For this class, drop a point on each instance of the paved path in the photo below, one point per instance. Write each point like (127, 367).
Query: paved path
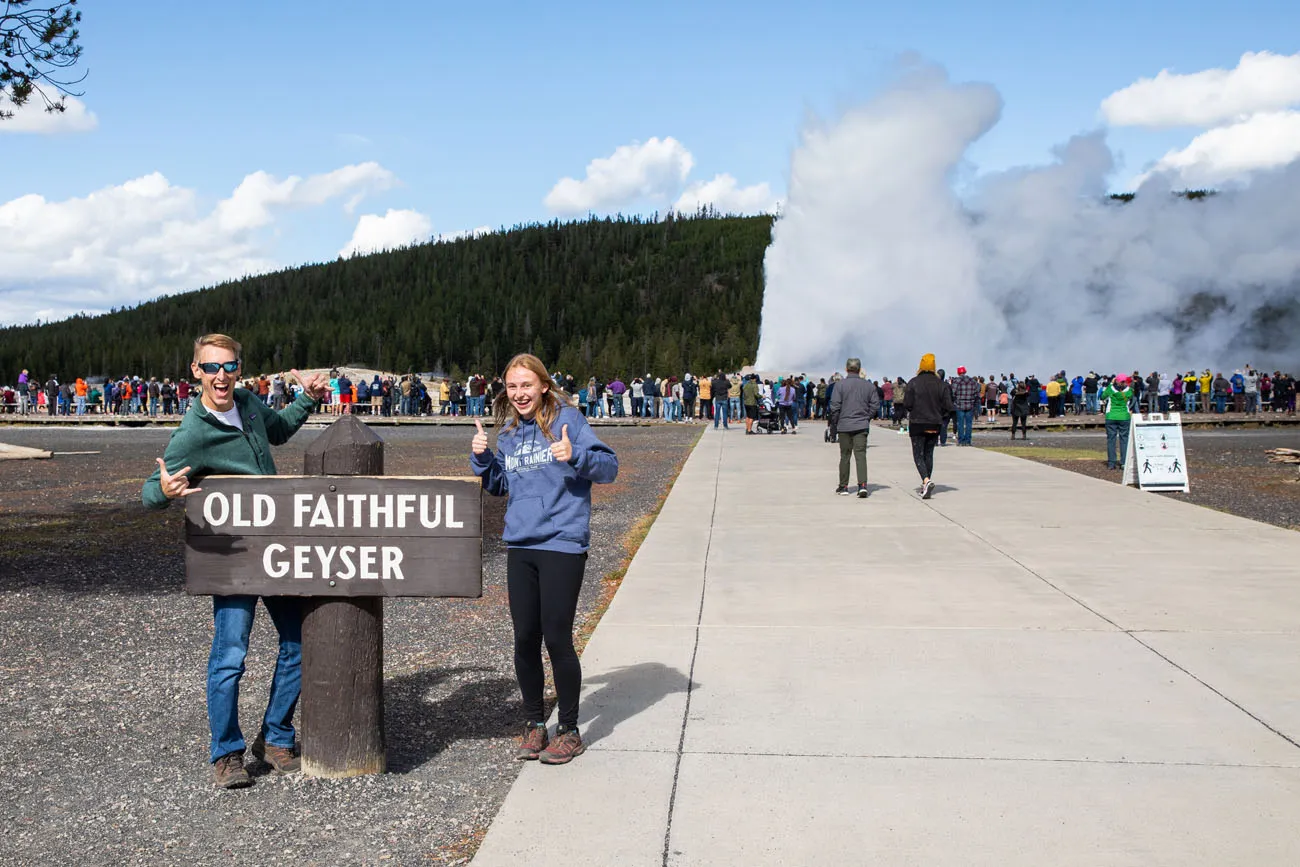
(1032, 668)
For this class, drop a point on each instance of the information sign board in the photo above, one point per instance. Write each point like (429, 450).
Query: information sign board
(1156, 459)
(335, 536)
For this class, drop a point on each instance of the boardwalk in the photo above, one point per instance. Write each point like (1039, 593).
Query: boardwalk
(1032, 668)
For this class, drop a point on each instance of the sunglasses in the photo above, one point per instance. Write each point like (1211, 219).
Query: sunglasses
(214, 366)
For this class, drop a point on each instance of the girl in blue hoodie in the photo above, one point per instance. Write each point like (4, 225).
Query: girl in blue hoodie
(546, 461)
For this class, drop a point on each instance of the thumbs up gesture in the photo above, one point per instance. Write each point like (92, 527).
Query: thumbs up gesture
(177, 485)
(479, 444)
(563, 448)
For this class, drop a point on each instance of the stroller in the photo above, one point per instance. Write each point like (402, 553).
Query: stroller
(768, 420)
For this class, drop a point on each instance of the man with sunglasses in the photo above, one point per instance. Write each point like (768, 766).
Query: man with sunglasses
(230, 431)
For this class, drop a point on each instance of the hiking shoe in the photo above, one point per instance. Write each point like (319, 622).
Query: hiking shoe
(566, 747)
(533, 742)
(863, 493)
(926, 490)
(842, 490)
(283, 759)
(228, 772)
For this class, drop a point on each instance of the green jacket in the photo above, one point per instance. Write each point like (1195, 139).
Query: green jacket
(1117, 409)
(210, 447)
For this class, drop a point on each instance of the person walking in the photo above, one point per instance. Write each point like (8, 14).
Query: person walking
(230, 431)
(927, 399)
(1117, 395)
(854, 403)
(546, 461)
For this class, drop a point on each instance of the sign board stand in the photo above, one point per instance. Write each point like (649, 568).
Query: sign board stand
(343, 538)
(1156, 459)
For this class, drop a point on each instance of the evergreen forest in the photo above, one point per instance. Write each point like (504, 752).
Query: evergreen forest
(607, 296)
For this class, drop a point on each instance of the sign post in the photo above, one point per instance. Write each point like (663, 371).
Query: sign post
(1156, 458)
(344, 537)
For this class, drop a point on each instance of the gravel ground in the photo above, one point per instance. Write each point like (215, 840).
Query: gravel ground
(1229, 469)
(102, 676)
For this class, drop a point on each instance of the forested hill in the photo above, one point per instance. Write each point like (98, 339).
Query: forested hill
(600, 296)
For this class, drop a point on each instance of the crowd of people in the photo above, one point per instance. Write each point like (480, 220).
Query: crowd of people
(683, 399)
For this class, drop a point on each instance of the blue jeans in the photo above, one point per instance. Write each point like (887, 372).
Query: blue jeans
(965, 421)
(735, 408)
(1116, 434)
(1220, 403)
(721, 412)
(1091, 401)
(232, 618)
(1189, 401)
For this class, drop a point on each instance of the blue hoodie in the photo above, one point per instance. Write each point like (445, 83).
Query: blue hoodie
(550, 502)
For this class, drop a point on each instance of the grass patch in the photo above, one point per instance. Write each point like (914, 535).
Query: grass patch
(1048, 453)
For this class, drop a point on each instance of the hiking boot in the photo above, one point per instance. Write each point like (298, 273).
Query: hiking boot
(566, 747)
(863, 493)
(842, 490)
(533, 742)
(283, 759)
(228, 772)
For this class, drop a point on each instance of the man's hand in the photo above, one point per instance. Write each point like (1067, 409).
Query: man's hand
(562, 450)
(479, 444)
(177, 485)
(317, 385)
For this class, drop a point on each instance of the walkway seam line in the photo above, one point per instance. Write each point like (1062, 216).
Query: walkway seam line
(695, 649)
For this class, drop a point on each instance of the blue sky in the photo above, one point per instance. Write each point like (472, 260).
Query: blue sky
(474, 111)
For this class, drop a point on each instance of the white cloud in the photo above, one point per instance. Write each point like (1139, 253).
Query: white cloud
(393, 229)
(147, 237)
(1262, 141)
(32, 117)
(1261, 82)
(723, 194)
(654, 170)
(249, 205)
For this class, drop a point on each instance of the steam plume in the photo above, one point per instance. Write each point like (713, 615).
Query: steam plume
(1032, 270)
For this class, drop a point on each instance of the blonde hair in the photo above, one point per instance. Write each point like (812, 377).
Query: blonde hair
(220, 340)
(504, 412)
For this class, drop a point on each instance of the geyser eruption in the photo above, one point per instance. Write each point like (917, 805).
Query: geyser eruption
(1033, 270)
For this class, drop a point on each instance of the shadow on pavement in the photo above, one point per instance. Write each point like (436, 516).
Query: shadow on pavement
(626, 692)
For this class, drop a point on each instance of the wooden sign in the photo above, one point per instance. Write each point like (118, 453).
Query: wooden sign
(335, 536)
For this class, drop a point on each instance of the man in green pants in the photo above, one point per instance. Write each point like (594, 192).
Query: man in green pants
(854, 403)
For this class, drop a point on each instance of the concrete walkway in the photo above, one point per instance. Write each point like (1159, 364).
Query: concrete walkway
(1032, 668)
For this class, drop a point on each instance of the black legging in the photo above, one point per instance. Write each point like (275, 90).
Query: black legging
(924, 439)
(543, 588)
(1023, 420)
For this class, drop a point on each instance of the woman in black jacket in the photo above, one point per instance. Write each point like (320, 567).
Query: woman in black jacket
(1020, 410)
(927, 400)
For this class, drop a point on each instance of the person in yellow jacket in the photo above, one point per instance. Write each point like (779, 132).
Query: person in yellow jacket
(1053, 398)
(1191, 386)
(1207, 381)
(706, 397)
